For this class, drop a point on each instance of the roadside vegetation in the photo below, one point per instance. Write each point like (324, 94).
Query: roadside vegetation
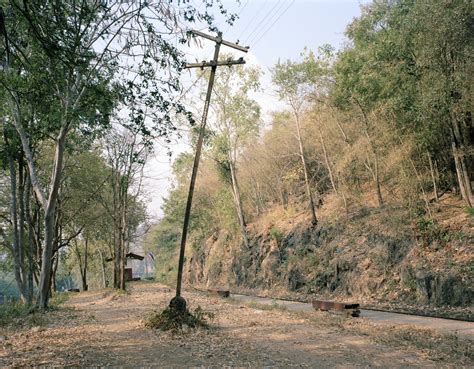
(364, 175)
(78, 125)
(364, 179)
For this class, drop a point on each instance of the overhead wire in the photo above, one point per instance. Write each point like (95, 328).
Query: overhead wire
(276, 20)
(237, 16)
(269, 23)
(257, 13)
(263, 21)
(189, 89)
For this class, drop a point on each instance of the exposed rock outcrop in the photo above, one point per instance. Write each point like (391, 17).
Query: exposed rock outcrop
(362, 257)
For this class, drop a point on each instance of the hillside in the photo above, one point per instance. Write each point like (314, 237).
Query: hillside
(369, 255)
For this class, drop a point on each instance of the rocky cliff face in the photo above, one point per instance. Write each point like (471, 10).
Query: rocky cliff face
(372, 255)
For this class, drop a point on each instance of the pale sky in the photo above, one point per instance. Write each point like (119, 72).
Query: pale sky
(274, 29)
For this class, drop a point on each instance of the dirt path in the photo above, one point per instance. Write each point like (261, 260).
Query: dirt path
(103, 328)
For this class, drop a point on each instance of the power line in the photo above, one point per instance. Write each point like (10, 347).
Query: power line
(276, 20)
(263, 21)
(253, 18)
(269, 21)
(189, 89)
(238, 15)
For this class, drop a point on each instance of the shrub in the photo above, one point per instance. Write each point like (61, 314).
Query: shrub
(275, 234)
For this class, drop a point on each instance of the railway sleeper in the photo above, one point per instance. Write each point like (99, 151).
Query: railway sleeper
(219, 292)
(337, 307)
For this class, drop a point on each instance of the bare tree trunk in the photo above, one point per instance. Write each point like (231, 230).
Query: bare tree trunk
(433, 177)
(314, 220)
(49, 222)
(82, 264)
(420, 182)
(377, 180)
(338, 192)
(326, 160)
(117, 226)
(256, 202)
(38, 240)
(459, 153)
(238, 202)
(17, 265)
(260, 202)
(117, 253)
(462, 175)
(256, 192)
(21, 220)
(124, 234)
(30, 241)
(102, 263)
(375, 154)
(85, 286)
(339, 125)
(123, 238)
(46, 261)
(54, 271)
(120, 219)
(122, 263)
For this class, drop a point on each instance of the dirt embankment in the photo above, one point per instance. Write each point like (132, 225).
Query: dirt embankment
(372, 255)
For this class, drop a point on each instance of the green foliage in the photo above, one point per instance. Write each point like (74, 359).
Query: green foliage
(276, 234)
(397, 67)
(58, 299)
(429, 231)
(69, 83)
(13, 313)
(163, 240)
(469, 211)
(454, 236)
(16, 313)
(410, 283)
(307, 79)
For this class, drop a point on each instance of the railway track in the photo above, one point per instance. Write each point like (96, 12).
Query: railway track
(361, 307)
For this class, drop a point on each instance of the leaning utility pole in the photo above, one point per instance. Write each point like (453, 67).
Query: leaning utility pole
(178, 301)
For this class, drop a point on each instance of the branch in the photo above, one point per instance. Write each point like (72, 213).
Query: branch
(66, 241)
(5, 243)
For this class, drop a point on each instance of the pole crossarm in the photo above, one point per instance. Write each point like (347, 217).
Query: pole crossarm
(219, 40)
(212, 63)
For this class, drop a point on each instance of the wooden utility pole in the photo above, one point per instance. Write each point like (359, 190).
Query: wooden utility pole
(214, 63)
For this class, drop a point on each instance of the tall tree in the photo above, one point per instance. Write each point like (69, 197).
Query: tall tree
(295, 86)
(412, 63)
(72, 72)
(237, 121)
(126, 157)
